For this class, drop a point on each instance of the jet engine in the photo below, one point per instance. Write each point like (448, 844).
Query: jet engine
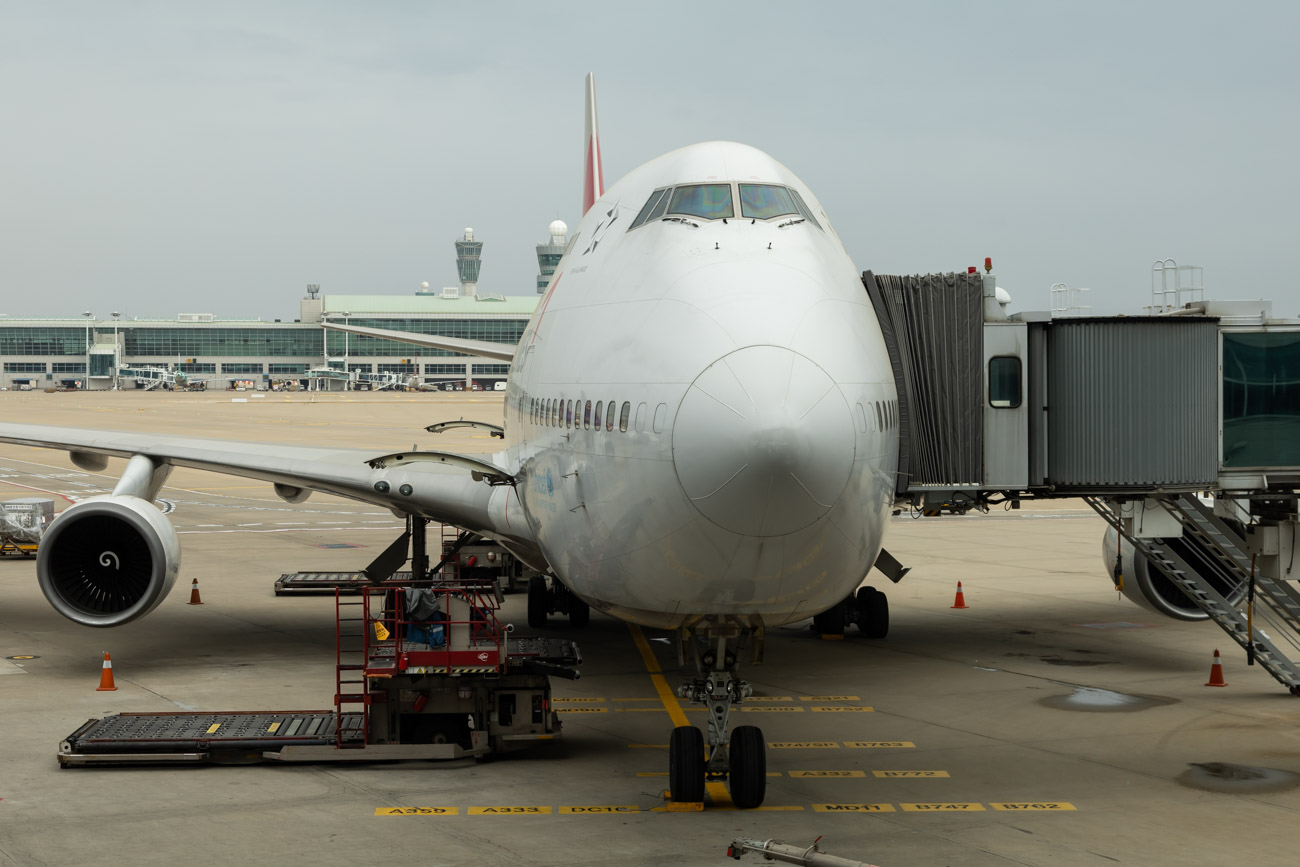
(108, 560)
(1146, 585)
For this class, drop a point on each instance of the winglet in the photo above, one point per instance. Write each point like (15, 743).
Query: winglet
(593, 177)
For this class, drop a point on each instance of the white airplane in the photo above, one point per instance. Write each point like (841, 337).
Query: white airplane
(699, 435)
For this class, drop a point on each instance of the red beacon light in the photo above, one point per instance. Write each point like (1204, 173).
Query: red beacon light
(971, 270)
(988, 264)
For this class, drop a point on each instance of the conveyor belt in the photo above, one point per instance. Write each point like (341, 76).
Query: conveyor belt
(201, 736)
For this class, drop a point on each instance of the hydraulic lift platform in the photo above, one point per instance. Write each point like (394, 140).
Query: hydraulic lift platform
(323, 583)
(422, 673)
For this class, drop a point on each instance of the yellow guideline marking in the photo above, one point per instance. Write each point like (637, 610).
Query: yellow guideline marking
(887, 774)
(212, 729)
(875, 744)
(635, 699)
(803, 745)
(509, 811)
(769, 698)
(838, 708)
(605, 808)
(853, 808)
(942, 808)
(647, 746)
(568, 700)
(829, 698)
(273, 728)
(582, 710)
(827, 773)
(417, 811)
(652, 773)
(717, 791)
(790, 709)
(1029, 805)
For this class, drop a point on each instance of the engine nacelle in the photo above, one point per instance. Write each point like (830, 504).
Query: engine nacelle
(1145, 585)
(108, 560)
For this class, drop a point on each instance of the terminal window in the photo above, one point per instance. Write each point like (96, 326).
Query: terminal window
(24, 367)
(1261, 399)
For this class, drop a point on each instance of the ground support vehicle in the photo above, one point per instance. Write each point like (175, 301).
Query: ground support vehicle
(422, 672)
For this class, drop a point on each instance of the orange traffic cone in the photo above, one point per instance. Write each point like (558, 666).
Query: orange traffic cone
(106, 676)
(194, 593)
(960, 601)
(1216, 672)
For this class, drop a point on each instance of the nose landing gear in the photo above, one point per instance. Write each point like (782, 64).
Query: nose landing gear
(741, 760)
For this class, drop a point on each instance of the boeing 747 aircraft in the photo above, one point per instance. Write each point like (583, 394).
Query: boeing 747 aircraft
(698, 437)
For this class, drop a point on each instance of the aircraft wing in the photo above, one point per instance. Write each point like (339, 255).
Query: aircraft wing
(485, 348)
(444, 487)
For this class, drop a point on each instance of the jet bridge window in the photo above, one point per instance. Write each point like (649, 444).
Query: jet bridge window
(706, 201)
(1004, 382)
(764, 201)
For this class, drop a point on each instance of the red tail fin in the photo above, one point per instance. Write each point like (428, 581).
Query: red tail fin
(593, 177)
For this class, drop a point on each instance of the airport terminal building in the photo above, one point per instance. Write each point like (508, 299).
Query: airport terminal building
(97, 353)
(103, 352)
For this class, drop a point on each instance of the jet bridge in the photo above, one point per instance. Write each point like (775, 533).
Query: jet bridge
(1180, 427)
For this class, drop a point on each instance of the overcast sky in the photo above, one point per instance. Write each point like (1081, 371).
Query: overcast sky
(173, 157)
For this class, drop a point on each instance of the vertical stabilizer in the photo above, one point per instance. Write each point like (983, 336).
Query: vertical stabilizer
(593, 176)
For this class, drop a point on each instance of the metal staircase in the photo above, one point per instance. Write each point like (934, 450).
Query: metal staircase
(1211, 566)
(352, 644)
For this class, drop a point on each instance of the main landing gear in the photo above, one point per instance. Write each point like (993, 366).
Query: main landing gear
(868, 608)
(740, 760)
(544, 600)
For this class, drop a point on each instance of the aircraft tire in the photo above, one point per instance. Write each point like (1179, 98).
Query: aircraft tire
(537, 602)
(747, 780)
(830, 621)
(873, 612)
(686, 765)
(579, 612)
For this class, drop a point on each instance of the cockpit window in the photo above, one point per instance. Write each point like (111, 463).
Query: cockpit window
(804, 210)
(762, 201)
(656, 202)
(707, 201)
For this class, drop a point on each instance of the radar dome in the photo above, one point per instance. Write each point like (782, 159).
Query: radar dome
(424, 285)
(559, 228)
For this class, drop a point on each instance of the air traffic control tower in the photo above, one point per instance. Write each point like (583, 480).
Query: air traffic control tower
(550, 253)
(468, 262)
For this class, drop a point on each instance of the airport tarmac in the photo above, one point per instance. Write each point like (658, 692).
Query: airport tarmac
(1050, 722)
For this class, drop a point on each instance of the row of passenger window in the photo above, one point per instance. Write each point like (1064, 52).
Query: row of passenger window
(714, 202)
(886, 416)
(579, 414)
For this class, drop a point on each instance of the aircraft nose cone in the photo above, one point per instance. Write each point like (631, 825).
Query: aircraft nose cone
(763, 442)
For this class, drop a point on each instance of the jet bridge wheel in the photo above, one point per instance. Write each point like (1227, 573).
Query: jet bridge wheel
(686, 765)
(538, 602)
(873, 612)
(747, 754)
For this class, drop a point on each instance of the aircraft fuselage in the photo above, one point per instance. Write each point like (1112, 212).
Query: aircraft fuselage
(747, 464)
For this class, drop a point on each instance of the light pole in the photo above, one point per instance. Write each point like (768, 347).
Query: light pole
(347, 360)
(85, 376)
(117, 357)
